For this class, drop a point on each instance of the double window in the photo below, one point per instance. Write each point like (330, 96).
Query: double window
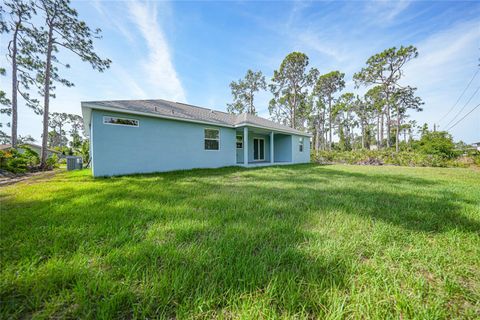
(121, 121)
(300, 144)
(212, 139)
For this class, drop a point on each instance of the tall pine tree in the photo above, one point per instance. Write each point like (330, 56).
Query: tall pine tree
(63, 30)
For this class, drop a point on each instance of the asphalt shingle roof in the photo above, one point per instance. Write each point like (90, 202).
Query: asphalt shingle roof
(182, 111)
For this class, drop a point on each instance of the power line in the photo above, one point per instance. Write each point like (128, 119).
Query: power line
(464, 90)
(478, 105)
(459, 112)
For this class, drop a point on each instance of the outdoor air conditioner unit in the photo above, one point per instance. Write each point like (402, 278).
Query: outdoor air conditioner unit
(74, 163)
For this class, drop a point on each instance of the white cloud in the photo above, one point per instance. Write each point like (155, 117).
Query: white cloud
(323, 46)
(446, 63)
(445, 54)
(386, 11)
(134, 89)
(159, 66)
(110, 19)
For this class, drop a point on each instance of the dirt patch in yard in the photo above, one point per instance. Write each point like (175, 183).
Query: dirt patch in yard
(33, 177)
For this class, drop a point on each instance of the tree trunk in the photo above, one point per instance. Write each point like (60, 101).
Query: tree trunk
(378, 132)
(325, 141)
(330, 123)
(397, 133)
(292, 112)
(14, 90)
(388, 127)
(388, 116)
(363, 136)
(293, 118)
(318, 129)
(324, 132)
(60, 136)
(46, 98)
(252, 109)
(382, 129)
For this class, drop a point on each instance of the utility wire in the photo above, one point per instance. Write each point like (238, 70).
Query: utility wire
(478, 105)
(459, 112)
(464, 90)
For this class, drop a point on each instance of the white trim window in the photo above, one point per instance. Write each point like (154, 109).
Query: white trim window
(212, 139)
(239, 142)
(300, 144)
(120, 121)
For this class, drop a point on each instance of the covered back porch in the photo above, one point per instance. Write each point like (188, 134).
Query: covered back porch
(261, 147)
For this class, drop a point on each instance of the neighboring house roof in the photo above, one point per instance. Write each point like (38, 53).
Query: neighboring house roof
(184, 112)
(8, 146)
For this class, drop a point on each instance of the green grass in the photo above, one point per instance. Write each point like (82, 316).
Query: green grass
(300, 241)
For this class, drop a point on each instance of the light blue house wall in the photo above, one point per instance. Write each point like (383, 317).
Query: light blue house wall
(240, 155)
(159, 144)
(282, 151)
(155, 145)
(300, 157)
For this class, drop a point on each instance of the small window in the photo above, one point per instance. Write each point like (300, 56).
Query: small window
(300, 144)
(239, 142)
(120, 121)
(212, 139)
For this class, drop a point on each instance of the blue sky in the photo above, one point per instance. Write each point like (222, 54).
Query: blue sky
(191, 51)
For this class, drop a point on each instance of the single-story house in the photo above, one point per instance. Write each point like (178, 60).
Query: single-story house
(140, 136)
(34, 147)
(476, 145)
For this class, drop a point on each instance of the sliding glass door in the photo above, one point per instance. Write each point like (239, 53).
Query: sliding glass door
(258, 149)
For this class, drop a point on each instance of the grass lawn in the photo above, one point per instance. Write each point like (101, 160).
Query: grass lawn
(301, 241)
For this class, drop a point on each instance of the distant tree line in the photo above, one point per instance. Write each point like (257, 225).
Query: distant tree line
(307, 100)
(38, 31)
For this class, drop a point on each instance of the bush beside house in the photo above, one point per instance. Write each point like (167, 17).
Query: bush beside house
(402, 158)
(24, 159)
(433, 149)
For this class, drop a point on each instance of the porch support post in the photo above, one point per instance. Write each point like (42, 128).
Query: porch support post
(245, 146)
(271, 148)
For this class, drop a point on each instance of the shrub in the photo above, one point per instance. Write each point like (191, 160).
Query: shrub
(388, 157)
(24, 159)
(52, 161)
(30, 155)
(85, 151)
(13, 161)
(438, 143)
(476, 159)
